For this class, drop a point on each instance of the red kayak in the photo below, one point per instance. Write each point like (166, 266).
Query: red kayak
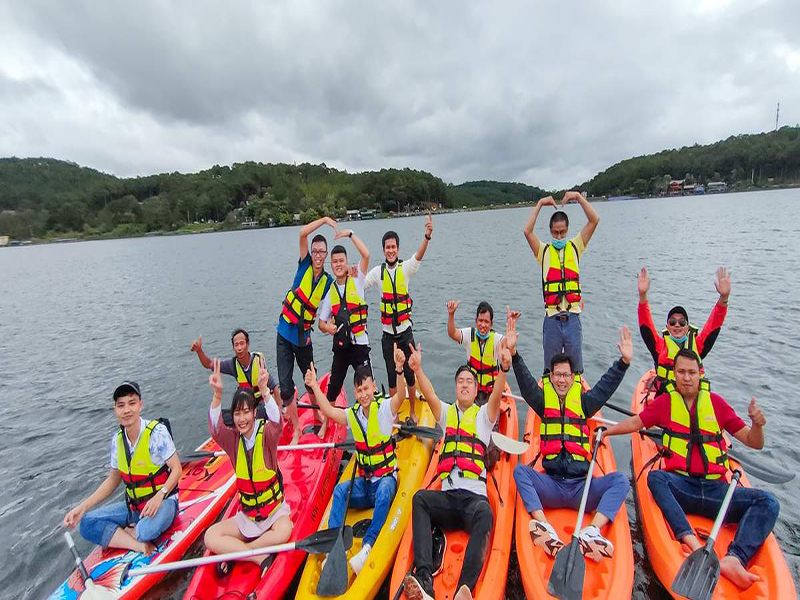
(308, 479)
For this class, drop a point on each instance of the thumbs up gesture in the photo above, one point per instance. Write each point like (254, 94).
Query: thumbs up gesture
(756, 414)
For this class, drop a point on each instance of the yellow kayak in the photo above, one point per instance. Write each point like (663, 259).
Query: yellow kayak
(413, 456)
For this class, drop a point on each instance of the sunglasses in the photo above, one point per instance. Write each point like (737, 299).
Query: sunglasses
(679, 322)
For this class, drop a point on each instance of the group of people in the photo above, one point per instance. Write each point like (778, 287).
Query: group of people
(144, 458)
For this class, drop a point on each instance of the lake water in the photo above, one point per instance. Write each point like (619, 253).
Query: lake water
(79, 318)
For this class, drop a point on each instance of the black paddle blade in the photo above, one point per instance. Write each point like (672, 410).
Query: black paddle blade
(569, 569)
(323, 541)
(333, 579)
(698, 575)
(431, 433)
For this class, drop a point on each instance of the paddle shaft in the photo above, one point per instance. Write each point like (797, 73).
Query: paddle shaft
(585, 495)
(78, 562)
(723, 510)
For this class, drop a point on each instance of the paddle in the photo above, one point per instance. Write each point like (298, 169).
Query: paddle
(750, 466)
(317, 543)
(699, 573)
(92, 591)
(333, 579)
(512, 446)
(566, 578)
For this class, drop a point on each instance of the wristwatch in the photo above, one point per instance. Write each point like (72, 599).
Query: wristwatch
(164, 491)
(427, 237)
(350, 235)
(400, 372)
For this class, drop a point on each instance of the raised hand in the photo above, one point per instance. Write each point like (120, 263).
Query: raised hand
(399, 358)
(215, 379)
(429, 225)
(547, 201)
(643, 282)
(625, 345)
(352, 270)
(452, 306)
(569, 197)
(512, 316)
(415, 358)
(263, 374)
(756, 415)
(340, 233)
(510, 338)
(311, 376)
(197, 345)
(723, 283)
(505, 358)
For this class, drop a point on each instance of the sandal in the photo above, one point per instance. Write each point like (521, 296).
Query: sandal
(266, 564)
(224, 569)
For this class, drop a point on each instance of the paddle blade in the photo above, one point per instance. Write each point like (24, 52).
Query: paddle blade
(430, 433)
(97, 592)
(569, 569)
(698, 575)
(323, 541)
(509, 445)
(333, 579)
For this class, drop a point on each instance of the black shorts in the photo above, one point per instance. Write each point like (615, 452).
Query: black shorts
(387, 345)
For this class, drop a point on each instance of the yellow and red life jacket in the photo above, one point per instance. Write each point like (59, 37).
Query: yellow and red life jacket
(462, 449)
(666, 358)
(375, 451)
(567, 428)
(260, 488)
(301, 303)
(142, 478)
(395, 302)
(700, 430)
(482, 361)
(561, 278)
(241, 376)
(355, 305)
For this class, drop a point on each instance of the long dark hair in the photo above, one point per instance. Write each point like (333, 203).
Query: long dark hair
(243, 397)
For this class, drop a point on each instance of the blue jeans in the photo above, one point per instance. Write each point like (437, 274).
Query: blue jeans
(366, 494)
(100, 524)
(539, 490)
(754, 510)
(563, 336)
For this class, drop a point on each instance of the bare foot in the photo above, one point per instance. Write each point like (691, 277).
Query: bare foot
(147, 548)
(296, 437)
(323, 430)
(732, 569)
(463, 594)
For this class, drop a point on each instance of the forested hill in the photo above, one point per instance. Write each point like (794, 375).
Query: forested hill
(474, 193)
(762, 159)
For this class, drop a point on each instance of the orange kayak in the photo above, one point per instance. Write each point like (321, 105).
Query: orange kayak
(666, 554)
(492, 581)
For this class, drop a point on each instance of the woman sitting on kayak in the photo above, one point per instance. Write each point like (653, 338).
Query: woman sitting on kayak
(252, 446)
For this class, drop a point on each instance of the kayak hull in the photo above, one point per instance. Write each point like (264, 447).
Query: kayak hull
(413, 457)
(491, 584)
(666, 554)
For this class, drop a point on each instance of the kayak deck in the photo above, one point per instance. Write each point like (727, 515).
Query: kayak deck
(413, 456)
(666, 554)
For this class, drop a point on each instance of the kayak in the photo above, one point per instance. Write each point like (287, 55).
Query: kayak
(413, 456)
(666, 554)
(205, 487)
(308, 480)
(492, 581)
(611, 578)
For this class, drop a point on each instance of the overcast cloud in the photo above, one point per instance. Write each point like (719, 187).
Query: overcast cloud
(544, 92)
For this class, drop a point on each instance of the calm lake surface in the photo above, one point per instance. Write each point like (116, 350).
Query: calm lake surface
(79, 318)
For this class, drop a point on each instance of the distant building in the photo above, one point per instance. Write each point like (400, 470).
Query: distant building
(676, 187)
(250, 222)
(368, 213)
(296, 217)
(716, 186)
(353, 215)
(3, 240)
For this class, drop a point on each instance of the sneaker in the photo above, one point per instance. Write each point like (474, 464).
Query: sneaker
(414, 589)
(439, 547)
(544, 536)
(594, 545)
(359, 559)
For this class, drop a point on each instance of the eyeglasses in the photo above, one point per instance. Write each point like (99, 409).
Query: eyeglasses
(561, 375)
(319, 252)
(679, 322)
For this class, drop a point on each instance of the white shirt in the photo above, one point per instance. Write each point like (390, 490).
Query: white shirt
(386, 421)
(483, 427)
(466, 342)
(409, 267)
(326, 312)
(273, 414)
(161, 445)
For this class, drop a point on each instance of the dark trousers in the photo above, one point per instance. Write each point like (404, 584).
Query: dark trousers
(355, 355)
(454, 510)
(286, 353)
(403, 342)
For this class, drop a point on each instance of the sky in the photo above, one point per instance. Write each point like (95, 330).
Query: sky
(547, 93)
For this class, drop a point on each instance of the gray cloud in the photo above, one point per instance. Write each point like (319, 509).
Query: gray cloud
(544, 93)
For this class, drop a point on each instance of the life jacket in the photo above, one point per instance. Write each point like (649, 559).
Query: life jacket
(241, 376)
(561, 279)
(301, 303)
(395, 302)
(375, 452)
(482, 361)
(355, 305)
(462, 449)
(701, 429)
(666, 359)
(142, 478)
(566, 429)
(260, 488)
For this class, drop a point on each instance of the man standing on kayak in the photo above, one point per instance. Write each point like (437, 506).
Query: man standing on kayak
(299, 310)
(394, 275)
(252, 447)
(565, 448)
(370, 421)
(242, 365)
(692, 478)
(559, 261)
(679, 333)
(143, 457)
(343, 314)
(462, 503)
(482, 343)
